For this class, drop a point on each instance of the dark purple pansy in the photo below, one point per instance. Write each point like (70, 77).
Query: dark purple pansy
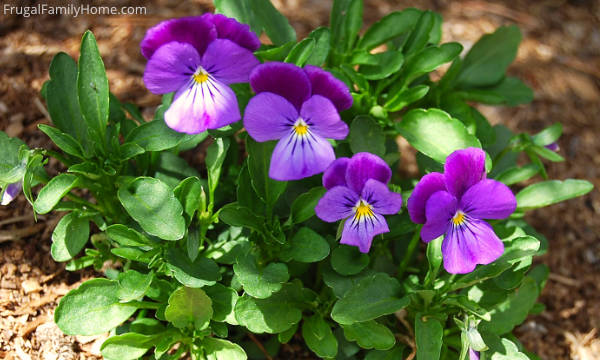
(11, 192)
(455, 204)
(197, 57)
(357, 191)
(300, 108)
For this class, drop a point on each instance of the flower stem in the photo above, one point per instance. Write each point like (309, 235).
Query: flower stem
(412, 245)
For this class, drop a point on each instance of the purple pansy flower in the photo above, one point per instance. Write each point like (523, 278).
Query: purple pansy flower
(357, 191)
(197, 57)
(473, 355)
(300, 108)
(455, 203)
(11, 192)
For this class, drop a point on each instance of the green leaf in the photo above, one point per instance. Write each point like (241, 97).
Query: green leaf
(201, 272)
(434, 259)
(551, 192)
(61, 98)
(510, 91)
(517, 174)
(157, 136)
(514, 310)
(388, 63)
(128, 346)
(274, 53)
(548, 135)
(307, 246)
(223, 302)
(419, 37)
(434, 133)
(547, 153)
(260, 282)
(370, 335)
(322, 38)
(393, 354)
(241, 11)
(189, 306)
(13, 159)
(153, 205)
(486, 63)
(93, 308)
(189, 193)
(372, 297)
(126, 236)
(130, 150)
(69, 236)
(133, 285)
(389, 27)
(276, 26)
(259, 159)
(303, 207)
(88, 169)
(341, 284)
(236, 215)
(215, 155)
(366, 136)
(406, 97)
(430, 58)
(63, 140)
(92, 87)
(346, 21)
(220, 349)
(347, 260)
(318, 337)
(501, 348)
(55, 190)
(301, 52)
(272, 315)
(428, 336)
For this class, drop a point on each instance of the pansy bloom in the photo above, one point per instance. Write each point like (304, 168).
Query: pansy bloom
(455, 204)
(357, 191)
(11, 192)
(197, 58)
(300, 108)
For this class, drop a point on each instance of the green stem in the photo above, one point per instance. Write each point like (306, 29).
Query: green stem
(81, 201)
(414, 241)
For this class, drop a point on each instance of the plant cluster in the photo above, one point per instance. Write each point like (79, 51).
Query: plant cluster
(300, 223)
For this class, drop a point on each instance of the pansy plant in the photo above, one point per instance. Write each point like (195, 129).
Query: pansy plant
(197, 258)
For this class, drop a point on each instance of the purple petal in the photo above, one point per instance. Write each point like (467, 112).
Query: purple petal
(428, 185)
(335, 175)
(473, 355)
(297, 157)
(488, 199)
(198, 107)
(228, 28)
(323, 118)
(379, 196)
(269, 117)
(228, 62)
(360, 231)
(336, 204)
(324, 83)
(11, 192)
(193, 30)
(364, 166)
(463, 169)
(287, 80)
(171, 67)
(440, 209)
(470, 244)
(552, 146)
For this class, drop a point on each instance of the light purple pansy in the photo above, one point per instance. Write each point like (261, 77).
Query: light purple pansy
(197, 58)
(357, 191)
(300, 108)
(473, 355)
(11, 192)
(455, 204)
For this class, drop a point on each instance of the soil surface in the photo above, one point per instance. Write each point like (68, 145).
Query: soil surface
(559, 58)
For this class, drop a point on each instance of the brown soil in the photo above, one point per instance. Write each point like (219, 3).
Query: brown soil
(559, 57)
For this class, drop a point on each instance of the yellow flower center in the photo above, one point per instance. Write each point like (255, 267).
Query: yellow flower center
(200, 77)
(363, 209)
(459, 218)
(301, 127)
